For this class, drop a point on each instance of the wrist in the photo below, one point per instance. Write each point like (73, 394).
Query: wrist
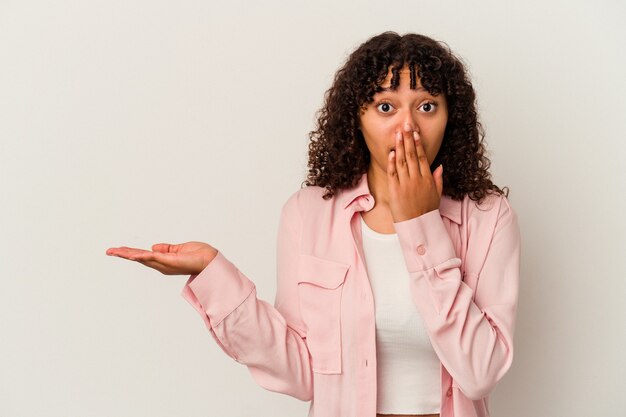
(210, 254)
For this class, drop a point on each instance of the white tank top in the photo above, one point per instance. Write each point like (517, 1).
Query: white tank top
(408, 369)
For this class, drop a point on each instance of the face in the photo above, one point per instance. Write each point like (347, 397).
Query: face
(391, 110)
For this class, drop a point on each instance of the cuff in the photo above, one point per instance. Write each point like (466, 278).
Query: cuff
(425, 241)
(218, 290)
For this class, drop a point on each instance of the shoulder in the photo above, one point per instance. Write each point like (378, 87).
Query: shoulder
(307, 202)
(309, 199)
(492, 212)
(492, 203)
(489, 227)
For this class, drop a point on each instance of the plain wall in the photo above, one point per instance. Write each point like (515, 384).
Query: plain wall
(132, 123)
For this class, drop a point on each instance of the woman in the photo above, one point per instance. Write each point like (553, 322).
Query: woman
(397, 265)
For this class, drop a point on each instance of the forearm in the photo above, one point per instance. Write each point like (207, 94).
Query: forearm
(250, 330)
(471, 329)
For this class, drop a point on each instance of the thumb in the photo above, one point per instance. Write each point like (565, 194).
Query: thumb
(438, 176)
(164, 247)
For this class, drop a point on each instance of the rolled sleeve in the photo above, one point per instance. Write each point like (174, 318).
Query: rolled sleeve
(218, 290)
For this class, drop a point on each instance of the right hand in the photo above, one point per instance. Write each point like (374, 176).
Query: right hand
(184, 259)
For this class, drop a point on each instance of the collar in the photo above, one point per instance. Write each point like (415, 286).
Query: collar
(447, 206)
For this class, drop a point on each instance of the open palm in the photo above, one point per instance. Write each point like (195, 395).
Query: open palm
(182, 259)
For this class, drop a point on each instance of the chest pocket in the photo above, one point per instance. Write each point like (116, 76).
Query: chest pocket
(320, 284)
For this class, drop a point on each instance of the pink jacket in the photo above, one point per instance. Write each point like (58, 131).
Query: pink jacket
(318, 341)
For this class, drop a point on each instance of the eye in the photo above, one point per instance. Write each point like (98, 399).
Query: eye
(384, 107)
(428, 107)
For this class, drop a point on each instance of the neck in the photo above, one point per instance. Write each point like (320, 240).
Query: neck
(377, 182)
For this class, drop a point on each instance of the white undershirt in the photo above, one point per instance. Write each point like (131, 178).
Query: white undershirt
(408, 369)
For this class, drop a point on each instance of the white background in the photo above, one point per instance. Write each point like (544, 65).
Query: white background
(137, 122)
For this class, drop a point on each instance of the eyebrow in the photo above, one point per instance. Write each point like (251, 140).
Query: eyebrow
(414, 89)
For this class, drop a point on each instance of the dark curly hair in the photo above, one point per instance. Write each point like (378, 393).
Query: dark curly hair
(338, 155)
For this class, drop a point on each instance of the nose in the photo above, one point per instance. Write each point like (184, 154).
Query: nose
(409, 122)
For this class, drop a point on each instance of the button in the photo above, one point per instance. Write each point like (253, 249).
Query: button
(421, 249)
(449, 393)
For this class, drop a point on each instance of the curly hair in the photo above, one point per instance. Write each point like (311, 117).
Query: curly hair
(338, 155)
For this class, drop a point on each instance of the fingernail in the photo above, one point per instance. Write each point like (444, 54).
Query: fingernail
(414, 135)
(407, 127)
(398, 136)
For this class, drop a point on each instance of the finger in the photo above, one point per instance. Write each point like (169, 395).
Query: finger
(416, 143)
(410, 151)
(124, 252)
(165, 247)
(163, 258)
(392, 173)
(438, 175)
(400, 157)
(422, 159)
(115, 251)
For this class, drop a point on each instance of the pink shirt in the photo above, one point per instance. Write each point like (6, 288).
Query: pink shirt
(318, 341)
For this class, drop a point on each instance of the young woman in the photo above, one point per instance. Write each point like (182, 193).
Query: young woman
(397, 264)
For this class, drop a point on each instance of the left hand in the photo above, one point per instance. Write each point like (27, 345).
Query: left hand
(413, 190)
(183, 259)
